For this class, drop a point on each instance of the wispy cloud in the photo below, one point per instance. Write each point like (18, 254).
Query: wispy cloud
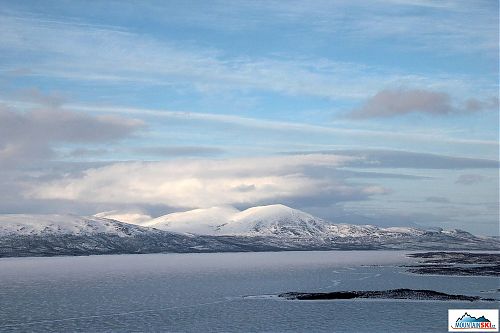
(96, 53)
(443, 26)
(372, 158)
(469, 179)
(178, 151)
(287, 126)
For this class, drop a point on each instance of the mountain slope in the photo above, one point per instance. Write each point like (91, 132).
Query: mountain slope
(198, 221)
(287, 228)
(275, 220)
(220, 229)
(47, 235)
(272, 220)
(22, 224)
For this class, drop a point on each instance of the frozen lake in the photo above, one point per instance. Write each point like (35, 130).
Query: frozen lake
(203, 293)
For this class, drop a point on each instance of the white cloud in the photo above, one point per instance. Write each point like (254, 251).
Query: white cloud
(207, 183)
(134, 217)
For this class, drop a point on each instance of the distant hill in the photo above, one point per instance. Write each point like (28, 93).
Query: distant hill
(218, 229)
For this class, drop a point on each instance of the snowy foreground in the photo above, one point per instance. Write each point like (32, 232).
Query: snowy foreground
(218, 229)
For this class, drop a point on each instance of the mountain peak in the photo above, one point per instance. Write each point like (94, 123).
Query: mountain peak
(268, 220)
(270, 212)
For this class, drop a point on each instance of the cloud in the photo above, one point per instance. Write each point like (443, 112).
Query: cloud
(51, 45)
(441, 26)
(133, 217)
(207, 183)
(469, 179)
(380, 175)
(273, 126)
(397, 102)
(407, 159)
(34, 95)
(437, 199)
(178, 151)
(31, 135)
(387, 103)
(474, 105)
(86, 152)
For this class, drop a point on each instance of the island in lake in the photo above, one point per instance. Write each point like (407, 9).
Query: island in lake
(402, 293)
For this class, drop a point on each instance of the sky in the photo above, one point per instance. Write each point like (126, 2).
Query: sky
(369, 112)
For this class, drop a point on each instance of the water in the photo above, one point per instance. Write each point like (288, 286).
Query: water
(203, 293)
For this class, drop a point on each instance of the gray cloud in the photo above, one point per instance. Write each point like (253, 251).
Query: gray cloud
(87, 152)
(377, 175)
(339, 213)
(407, 159)
(31, 135)
(474, 105)
(34, 95)
(244, 188)
(469, 179)
(176, 151)
(396, 102)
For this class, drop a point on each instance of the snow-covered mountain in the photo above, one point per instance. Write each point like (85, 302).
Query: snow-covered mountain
(217, 229)
(288, 228)
(39, 225)
(272, 220)
(47, 235)
(198, 221)
(128, 217)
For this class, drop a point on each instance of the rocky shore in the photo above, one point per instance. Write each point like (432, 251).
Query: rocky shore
(456, 263)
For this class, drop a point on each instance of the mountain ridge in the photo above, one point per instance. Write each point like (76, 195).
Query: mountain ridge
(269, 220)
(219, 229)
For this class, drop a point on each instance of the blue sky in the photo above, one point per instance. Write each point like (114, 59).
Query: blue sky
(358, 111)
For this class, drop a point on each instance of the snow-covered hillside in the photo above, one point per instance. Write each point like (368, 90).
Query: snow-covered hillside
(272, 220)
(198, 221)
(21, 224)
(218, 229)
(49, 235)
(127, 217)
(263, 221)
(279, 226)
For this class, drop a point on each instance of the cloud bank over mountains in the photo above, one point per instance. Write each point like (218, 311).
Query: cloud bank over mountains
(206, 183)
(315, 178)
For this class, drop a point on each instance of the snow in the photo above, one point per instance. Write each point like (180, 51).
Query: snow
(275, 220)
(279, 226)
(197, 221)
(138, 218)
(271, 220)
(24, 224)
